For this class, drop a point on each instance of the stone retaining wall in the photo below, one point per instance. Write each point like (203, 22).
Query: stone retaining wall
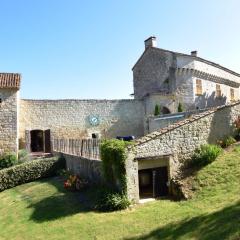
(181, 139)
(89, 169)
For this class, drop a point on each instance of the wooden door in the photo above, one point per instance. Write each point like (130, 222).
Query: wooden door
(28, 140)
(160, 180)
(47, 141)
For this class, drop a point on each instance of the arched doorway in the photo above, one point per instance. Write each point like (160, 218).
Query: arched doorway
(165, 110)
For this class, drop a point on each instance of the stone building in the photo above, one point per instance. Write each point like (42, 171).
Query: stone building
(9, 112)
(168, 78)
(159, 76)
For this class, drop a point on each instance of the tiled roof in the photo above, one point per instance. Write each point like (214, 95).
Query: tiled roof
(173, 126)
(10, 80)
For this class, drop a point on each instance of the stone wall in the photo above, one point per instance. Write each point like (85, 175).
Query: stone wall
(8, 120)
(192, 68)
(70, 118)
(89, 169)
(169, 78)
(167, 100)
(155, 123)
(151, 71)
(181, 139)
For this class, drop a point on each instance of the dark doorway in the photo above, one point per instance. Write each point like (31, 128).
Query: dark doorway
(145, 178)
(37, 141)
(47, 141)
(153, 182)
(160, 180)
(40, 141)
(165, 110)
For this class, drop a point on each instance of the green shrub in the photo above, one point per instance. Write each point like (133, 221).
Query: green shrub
(157, 110)
(205, 155)
(109, 201)
(228, 141)
(29, 171)
(180, 107)
(8, 160)
(23, 156)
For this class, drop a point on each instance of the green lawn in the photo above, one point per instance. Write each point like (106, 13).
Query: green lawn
(44, 210)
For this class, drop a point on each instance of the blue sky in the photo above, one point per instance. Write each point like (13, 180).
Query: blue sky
(86, 49)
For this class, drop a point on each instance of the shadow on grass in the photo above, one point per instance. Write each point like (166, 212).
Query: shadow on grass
(223, 224)
(61, 204)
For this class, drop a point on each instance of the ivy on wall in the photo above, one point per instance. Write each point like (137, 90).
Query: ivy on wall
(113, 156)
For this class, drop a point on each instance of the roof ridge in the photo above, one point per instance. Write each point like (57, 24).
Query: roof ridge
(201, 59)
(173, 126)
(188, 55)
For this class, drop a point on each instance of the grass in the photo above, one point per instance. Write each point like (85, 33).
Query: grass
(44, 210)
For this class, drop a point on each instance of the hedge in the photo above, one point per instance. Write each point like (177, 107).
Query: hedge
(29, 171)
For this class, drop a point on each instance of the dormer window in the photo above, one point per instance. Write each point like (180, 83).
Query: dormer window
(199, 87)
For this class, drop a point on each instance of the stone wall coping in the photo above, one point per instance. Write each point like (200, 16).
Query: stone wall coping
(82, 100)
(76, 156)
(176, 125)
(165, 116)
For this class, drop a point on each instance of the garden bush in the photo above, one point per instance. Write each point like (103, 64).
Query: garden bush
(8, 160)
(29, 171)
(205, 155)
(23, 156)
(228, 141)
(109, 200)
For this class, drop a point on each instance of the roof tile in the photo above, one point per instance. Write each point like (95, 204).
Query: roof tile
(10, 80)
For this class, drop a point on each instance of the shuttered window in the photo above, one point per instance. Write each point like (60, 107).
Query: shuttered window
(218, 90)
(198, 87)
(232, 94)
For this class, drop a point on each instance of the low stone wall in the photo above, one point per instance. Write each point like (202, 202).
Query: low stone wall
(180, 140)
(161, 121)
(89, 169)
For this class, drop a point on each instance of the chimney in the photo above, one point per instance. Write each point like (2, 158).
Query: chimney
(150, 42)
(194, 53)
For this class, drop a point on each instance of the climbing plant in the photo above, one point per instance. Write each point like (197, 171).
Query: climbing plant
(113, 156)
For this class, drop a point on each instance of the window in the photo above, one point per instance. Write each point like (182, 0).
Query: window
(199, 87)
(232, 97)
(218, 90)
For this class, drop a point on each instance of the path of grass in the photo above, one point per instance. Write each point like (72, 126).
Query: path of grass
(43, 210)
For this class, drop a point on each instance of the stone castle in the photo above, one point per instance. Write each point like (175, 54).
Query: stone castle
(160, 77)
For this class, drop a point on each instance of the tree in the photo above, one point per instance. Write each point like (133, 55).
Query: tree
(180, 107)
(157, 110)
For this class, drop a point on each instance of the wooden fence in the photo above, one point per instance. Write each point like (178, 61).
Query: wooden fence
(88, 148)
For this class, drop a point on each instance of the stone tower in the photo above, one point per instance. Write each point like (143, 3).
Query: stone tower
(9, 107)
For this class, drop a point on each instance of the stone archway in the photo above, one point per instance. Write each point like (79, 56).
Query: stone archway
(165, 110)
